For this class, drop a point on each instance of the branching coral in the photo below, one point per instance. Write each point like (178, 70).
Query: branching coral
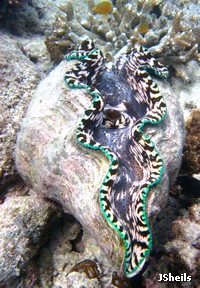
(151, 23)
(111, 31)
(179, 38)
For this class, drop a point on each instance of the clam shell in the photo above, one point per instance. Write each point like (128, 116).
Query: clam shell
(51, 160)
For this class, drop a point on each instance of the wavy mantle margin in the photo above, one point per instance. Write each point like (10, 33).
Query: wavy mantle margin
(85, 74)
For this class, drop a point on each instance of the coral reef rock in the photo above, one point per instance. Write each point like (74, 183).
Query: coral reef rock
(24, 221)
(18, 79)
(51, 160)
(191, 148)
(188, 91)
(27, 16)
(74, 259)
(184, 249)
